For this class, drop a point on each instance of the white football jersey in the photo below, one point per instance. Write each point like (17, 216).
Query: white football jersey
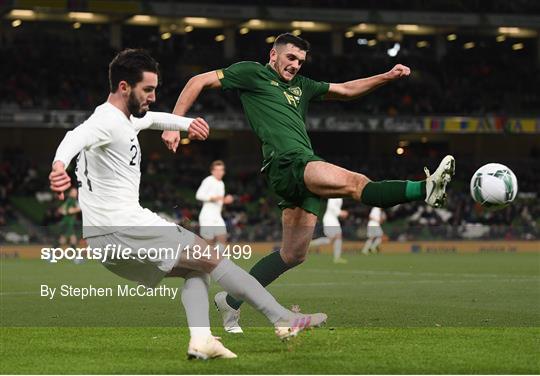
(375, 216)
(108, 169)
(333, 208)
(211, 210)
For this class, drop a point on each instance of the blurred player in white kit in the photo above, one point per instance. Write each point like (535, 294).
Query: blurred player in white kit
(332, 229)
(374, 231)
(212, 193)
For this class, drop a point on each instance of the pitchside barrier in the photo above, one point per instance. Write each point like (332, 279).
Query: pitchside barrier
(33, 251)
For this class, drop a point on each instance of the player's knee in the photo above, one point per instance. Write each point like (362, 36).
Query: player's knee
(293, 258)
(205, 277)
(356, 185)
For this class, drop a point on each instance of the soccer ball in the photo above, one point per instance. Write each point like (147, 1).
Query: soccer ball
(494, 186)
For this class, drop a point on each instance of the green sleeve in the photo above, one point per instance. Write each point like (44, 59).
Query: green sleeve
(239, 75)
(315, 90)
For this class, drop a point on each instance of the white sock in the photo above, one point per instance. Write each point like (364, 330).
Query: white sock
(367, 246)
(337, 248)
(195, 301)
(243, 286)
(319, 241)
(375, 244)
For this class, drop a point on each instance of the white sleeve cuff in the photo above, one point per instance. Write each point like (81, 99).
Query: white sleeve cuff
(162, 121)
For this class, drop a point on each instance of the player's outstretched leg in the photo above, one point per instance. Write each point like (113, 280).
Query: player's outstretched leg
(328, 180)
(240, 284)
(298, 227)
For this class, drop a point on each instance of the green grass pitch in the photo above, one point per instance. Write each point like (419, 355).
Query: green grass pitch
(413, 313)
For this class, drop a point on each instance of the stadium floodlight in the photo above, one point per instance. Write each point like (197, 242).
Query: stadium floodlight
(219, 38)
(407, 27)
(244, 30)
(303, 24)
(22, 13)
(196, 20)
(142, 18)
(451, 37)
(76, 25)
(16, 23)
(166, 36)
(296, 32)
(81, 15)
(255, 22)
(349, 34)
(422, 44)
(517, 46)
(500, 38)
(468, 45)
(188, 29)
(372, 42)
(509, 30)
(392, 52)
(270, 39)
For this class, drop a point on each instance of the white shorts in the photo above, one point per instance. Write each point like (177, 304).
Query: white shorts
(374, 232)
(145, 266)
(331, 231)
(210, 228)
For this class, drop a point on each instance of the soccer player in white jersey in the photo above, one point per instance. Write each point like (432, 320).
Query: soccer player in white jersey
(332, 228)
(212, 193)
(108, 171)
(374, 231)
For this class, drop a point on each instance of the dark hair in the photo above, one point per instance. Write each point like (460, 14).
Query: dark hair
(285, 38)
(129, 66)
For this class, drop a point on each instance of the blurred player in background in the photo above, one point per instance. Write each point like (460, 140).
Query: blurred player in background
(374, 231)
(212, 194)
(332, 229)
(108, 170)
(69, 210)
(275, 100)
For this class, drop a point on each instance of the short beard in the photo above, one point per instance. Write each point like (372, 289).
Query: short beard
(134, 107)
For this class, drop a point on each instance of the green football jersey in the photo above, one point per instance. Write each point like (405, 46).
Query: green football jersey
(275, 109)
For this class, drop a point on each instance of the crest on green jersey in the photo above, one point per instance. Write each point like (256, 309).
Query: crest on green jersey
(296, 91)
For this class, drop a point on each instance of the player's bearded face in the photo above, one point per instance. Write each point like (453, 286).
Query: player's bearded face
(135, 105)
(142, 95)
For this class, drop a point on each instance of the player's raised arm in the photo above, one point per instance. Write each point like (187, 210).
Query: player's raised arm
(187, 97)
(197, 128)
(353, 89)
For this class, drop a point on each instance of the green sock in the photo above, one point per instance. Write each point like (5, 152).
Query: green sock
(387, 193)
(266, 270)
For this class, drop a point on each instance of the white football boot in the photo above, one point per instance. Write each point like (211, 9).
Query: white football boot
(208, 347)
(436, 182)
(229, 315)
(286, 329)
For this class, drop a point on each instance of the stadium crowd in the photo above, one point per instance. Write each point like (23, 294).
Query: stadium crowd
(505, 81)
(168, 187)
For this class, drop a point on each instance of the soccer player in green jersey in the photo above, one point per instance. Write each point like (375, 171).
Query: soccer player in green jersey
(275, 99)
